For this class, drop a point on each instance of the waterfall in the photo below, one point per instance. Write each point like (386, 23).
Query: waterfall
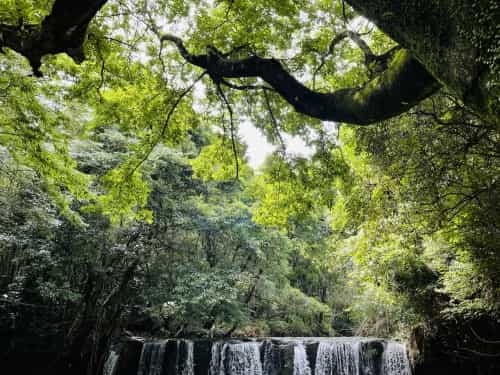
(184, 364)
(151, 361)
(269, 356)
(300, 362)
(244, 359)
(238, 359)
(338, 357)
(110, 364)
(217, 359)
(395, 360)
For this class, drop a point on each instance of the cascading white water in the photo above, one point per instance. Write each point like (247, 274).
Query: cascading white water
(394, 360)
(110, 364)
(273, 356)
(151, 361)
(188, 365)
(300, 362)
(216, 360)
(240, 359)
(338, 357)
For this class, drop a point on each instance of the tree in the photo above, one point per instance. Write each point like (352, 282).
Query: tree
(453, 43)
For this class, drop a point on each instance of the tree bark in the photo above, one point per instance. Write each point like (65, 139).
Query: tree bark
(63, 30)
(404, 84)
(456, 40)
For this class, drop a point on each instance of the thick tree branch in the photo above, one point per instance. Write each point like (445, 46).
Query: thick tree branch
(451, 39)
(63, 30)
(374, 63)
(397, 89)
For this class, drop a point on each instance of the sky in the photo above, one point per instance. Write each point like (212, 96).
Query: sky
(259, 148)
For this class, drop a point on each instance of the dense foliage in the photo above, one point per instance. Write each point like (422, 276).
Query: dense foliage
(127, 201)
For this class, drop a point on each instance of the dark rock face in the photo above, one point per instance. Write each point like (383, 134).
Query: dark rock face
(311, 351)
(277, 357)
(371, 357)
(29, 348)
(202, 356)
(170, 358)
(128, 362)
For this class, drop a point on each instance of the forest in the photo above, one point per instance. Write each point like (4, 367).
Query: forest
(132, 204)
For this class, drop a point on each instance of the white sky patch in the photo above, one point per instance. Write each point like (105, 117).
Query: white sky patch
(259, 148)
(296, 146)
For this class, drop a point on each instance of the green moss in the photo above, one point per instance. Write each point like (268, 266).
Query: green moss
(457, 41)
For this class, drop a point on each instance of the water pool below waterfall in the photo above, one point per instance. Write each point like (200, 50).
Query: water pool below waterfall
(266, 356)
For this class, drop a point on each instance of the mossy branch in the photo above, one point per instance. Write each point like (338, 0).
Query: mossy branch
(401, 86)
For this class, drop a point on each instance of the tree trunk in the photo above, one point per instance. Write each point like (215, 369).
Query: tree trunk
(458, 42)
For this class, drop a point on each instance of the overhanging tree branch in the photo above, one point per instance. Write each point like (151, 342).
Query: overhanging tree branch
(395, 90)
(450, 53)
(404, 84)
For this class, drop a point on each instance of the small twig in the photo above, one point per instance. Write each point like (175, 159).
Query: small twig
(231, 127)
(102, 75)
(362, 45)
(344, 17)
(180, 45)
(160, 51)
(338, 38)
(356, 38)
(129, 45)
(275, 123)
(480, 354)
(226, 19)
(167, 122)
